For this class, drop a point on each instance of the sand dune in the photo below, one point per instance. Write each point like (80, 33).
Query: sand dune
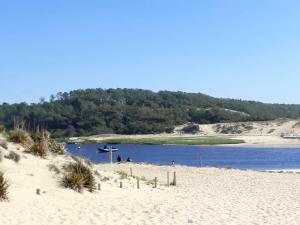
(202, 195)
(254, 134)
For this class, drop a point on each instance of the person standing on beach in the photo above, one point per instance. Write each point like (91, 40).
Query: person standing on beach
(173, 162)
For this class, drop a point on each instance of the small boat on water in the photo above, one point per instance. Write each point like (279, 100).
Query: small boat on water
(108, 149)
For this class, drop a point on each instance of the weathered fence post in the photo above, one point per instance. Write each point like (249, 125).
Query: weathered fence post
(168, 179)
(131, 172)
(138, 183)
(155, 182)
(121, 184)
(99, 187)
(174, 179)
(38, 191)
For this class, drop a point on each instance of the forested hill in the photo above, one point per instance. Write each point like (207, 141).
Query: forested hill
(134, 111)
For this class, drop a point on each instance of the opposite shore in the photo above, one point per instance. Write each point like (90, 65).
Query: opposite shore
(268, 134)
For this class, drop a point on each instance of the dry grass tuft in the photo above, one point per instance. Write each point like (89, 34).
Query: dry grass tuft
(41, 144)
(78, 176)
(21, 136)
(56, 148)
(3, 188)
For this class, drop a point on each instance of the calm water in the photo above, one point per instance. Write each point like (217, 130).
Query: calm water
(243, 158)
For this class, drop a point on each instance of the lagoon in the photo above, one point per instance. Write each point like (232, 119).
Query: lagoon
(236, 157)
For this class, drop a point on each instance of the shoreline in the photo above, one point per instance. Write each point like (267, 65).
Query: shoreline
(182, 166)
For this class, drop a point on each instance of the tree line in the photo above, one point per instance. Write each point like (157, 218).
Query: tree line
(135, 111)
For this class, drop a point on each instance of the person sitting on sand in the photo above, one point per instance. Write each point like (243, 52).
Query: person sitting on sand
(119, 159)
(129, 159)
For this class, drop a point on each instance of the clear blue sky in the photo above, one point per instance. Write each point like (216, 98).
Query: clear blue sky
(246, 49)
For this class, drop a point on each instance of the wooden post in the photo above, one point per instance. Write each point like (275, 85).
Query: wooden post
(38, 191)
(155, 182)
(174, 179)
(138, 183)
(121, 184)
(131, 172)
(99, 187)
(168, 179)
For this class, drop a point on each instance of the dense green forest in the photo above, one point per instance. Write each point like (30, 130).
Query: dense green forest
(135, 111)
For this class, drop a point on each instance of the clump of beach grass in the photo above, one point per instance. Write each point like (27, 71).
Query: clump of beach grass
(78, 176)
(56, 148)
(41, 144)
(1, 156)
(3, 188)
(123, 174)
(22, 137)
(13, 156)
(54, 168)
(3, 144)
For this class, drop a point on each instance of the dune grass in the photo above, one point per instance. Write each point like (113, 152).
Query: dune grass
(41, 144)
(21, 136)
(56, 148)
(78, 176)
(3, 187)
(13, 156)
(4, 144)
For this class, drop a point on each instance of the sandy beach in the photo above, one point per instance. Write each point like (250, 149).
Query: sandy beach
(202, 195)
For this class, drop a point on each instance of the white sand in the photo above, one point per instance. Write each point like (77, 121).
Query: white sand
(203, 196)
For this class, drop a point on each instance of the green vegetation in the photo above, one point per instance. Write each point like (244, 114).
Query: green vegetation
(233, 129)
(132, 111)
(54, 168)
(175, 141)
(3, 187)
(78, 176)
(13, 156)
(123, 174)
(191, 129)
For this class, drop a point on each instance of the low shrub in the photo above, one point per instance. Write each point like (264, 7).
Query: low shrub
(78, 176)
(13, 156)
(191, 129)
(169, 130)
(3, 187)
